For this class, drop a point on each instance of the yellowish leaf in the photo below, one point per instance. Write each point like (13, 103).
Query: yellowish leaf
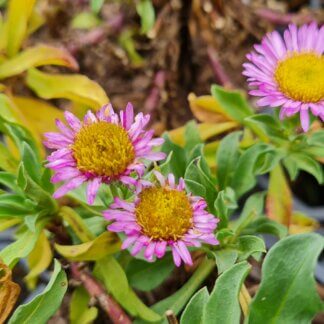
(10, 112)
(6, 223)
(76, 87)
(76, 223)
(38, 260)
(279, 199)
(206, 131)
(207, 109)
(302, 223)
(39, 113)
(80, 312)
(9, 292)
(37, 56)
(15, 29)
(8, 162)
(210, 150)
(36, 20)
(104, 244)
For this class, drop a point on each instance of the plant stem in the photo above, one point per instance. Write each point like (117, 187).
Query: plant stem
(171, 317)
(95, 290)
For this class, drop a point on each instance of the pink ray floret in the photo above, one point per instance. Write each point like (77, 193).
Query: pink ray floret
(123, 216)
(307, 39)
(64, 164)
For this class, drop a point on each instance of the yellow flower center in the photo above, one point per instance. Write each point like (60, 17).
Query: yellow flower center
(103, 149)
(301, 77)
(164, 214)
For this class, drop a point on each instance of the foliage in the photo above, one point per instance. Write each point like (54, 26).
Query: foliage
(220, 159)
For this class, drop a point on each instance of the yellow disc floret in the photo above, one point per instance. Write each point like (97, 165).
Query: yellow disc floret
(103, 149)
(301, 77)
(163, 213)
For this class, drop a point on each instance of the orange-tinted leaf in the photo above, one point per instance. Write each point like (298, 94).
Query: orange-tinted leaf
(9, 292)
(279, 199)
(75, 87)
(37, 56)
(15, 28)
(206, 130)
(207, 109)
(302, 223)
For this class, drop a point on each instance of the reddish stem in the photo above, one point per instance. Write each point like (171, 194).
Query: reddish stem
(95, 290)
(218, 70)
(154, 97)
(278, 18)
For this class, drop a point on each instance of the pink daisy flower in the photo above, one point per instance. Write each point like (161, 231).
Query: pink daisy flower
(289, 72)
(102, 148)
(163, 215)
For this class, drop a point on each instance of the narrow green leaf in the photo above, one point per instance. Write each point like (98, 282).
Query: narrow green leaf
(288, 293)
(193, 312)
(191, 135)
(225, 204)
(43, 306)
(223, 306)
(96, 5)
(80, 312)
(249, 244)
(227, 157)
(116, 283)
(146, 11)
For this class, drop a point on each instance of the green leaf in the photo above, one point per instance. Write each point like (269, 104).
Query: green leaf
(179, 299)
(225, 259)
(146, 11)
(253, 208)
(96, 5)
(195, 188)
(85, 20)
(248, 245)
(178, 160)
(21, 247)
(264, 225)
(31, 162)
(244, 177)
(233, 102)
(196, 174)
(9, 180)
(104, 244)
(193, 312)
(225, 204)
(116, 283)
(80, 312)
(268, 125)
(43, 306)
(316, 138)
(191, 135)
(35, 192)
(14, 205)
(300, 161)
(287, 291)
(227, 157)
(146, 276)
(223, 305)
